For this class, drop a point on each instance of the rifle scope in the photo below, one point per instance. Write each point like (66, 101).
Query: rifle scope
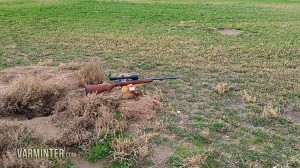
(132, 77)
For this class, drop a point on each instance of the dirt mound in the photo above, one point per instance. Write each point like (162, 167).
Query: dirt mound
(30, 95)
(88, 118)
(136, 109)
(60, 114)
(33, 91)
(141, 110)
(95, 116)
(47, 73)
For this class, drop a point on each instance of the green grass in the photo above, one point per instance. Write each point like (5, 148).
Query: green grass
(100, 151)
(176, 37)
(175, 161)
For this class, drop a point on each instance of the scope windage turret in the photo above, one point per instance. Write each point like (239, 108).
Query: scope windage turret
(132, 77)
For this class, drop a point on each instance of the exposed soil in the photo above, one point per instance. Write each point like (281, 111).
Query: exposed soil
(160, 155)
(47, 73)
(230, 32)
(294, 116)
(82, 163)
(44, 128)
(136, 109)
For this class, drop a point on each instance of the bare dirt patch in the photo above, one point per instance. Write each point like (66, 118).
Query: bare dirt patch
(294, 116)
(230, 32)
(44, 128)
(161, 155)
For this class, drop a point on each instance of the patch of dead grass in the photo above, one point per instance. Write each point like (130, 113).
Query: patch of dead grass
(90, 118)
(82, 119)
(196, 161)
(249, 98)
(281, 6)
(221, 88)
(270, 112)
(30, 95)
(10, 135)
(70, 65)
(133, 150)
(47, 62)
(91, 73)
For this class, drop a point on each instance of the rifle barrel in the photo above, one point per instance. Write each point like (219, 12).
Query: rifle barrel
(171, 77)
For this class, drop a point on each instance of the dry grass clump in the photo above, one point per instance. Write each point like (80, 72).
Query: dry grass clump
(133, 151)
(188, 23)
(47, 62)
(220, 88)
(91, 117)
(96, 117)
(70, 65)
(30, 95)
(195, 161)
(159, 126)
(91, 73)
(270, 112)
(294, 161)
(249, 98)
(11, 135)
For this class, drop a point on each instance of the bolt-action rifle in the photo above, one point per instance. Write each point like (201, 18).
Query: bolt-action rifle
(108, 87)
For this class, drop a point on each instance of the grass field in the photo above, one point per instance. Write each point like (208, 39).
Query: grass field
(177, 37)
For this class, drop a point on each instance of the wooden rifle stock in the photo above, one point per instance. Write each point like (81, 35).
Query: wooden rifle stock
(108, 87)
